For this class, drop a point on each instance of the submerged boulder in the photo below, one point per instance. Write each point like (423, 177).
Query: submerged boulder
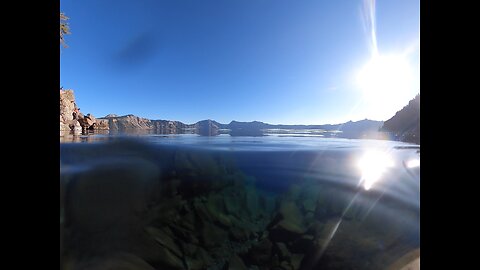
(124, 261)
(236, 263)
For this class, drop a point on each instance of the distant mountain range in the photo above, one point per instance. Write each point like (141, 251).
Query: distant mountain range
(405, 124)
(359, 129)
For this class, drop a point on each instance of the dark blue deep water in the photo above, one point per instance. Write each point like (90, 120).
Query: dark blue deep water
(273, 202)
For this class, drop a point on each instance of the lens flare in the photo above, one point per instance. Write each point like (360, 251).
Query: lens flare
(373, 165)
(413, 163)
(387, 79)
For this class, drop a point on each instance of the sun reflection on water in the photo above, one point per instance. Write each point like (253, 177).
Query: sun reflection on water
(373, 165)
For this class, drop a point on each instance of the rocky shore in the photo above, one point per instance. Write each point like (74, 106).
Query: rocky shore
(71, 119)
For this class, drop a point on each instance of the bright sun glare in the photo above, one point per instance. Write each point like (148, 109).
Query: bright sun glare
(384, 78)
(373, 164)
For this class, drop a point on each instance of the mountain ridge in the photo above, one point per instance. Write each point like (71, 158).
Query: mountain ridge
(405, 124)
(350, 129)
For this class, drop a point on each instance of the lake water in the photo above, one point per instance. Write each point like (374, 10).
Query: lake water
(273, 202)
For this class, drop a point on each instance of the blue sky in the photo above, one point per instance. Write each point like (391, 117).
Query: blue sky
(276, 61)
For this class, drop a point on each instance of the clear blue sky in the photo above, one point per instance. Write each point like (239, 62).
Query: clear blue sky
(276, 61)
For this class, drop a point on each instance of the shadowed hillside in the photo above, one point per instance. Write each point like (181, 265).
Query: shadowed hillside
(405, 125)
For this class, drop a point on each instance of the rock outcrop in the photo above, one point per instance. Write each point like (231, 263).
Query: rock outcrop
(102, 124)
(128, 122)
(169, 127)
(72, 119)
(207, 127)
(67, 106)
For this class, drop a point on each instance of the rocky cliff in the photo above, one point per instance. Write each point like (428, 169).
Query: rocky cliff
(128, 122)
(67, 106)
(131, 122)
(72, 119)
(207, 127)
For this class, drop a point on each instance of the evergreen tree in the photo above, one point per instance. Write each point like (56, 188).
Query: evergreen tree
(64, 29)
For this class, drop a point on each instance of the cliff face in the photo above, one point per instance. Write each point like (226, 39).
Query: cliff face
(207, 127)
(131, 122)
(128, 122)
(80, 122)
(67, 105)
(169, 127)
(405, 124)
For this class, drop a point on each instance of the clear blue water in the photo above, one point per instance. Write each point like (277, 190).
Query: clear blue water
(273, 202)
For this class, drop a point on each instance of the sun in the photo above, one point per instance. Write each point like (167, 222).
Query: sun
(384, 79)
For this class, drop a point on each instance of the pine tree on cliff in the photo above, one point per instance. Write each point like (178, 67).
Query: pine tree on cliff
(64, 29)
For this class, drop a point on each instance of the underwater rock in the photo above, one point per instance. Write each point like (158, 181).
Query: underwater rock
(215, 203)
(198, 258)
(282, 251)
(167, 210)
(286, 231)
(302, 244)
(223, 220)
(188, 221)
(410, 260)
(291, 212)
(309, 219)
(329, 227)
(289, 223)
(200, 174)
(194, 264)
(321, 208)
(106, 206)
(260, 254)
(110, 194)
(315, 229)
(165, 240)
(183, 234)
(216, 210)
(189, 249)
(201, 211)
(236, 263)
(239, 234)
(212, 235)
(165, 258)
(293, 192)
(309, 205)
(284, 265)
(232, 204)
(122, 261)
(252, 199)
(297, 260)
(337, 201)
(353, 244)
(267, 203)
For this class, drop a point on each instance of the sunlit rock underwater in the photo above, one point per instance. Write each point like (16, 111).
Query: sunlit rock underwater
(193, 202)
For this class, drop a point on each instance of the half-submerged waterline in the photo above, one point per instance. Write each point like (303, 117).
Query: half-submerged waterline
(236, 203)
